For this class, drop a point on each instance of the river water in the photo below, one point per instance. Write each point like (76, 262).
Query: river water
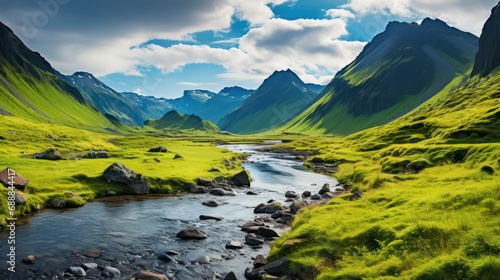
(131, 231)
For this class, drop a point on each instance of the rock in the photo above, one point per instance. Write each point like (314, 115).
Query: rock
(20, 182)
(204, 182)
(77, 271)
(488, 169)
(172, 253)
(164, 257)
(290, 194)
(148, 275)
(50, 136)
(98, 154)
(156, 159)
(206, 217)
(230, 276)
(109, 271)
(269, 208)
(252, 239)
(251, 193)
(203, 260)
(159, 149)
(234, 245)
(316, 196)
(253, 274)
(210, 203)
(88, 266)
(306, 194)
(259, 261)
(329, 195)
(289, 243)
(356, 196)
(58, 203)
(197, 189)
(92, 253)
(49, 154)
(324, 189)
(277, 214)
(221, 192)
(139, 185)
(20, 198)
(118, 173)
(297, 205)
(276, 268)
(213, 169)
(29, 259)
(191, 233)
(267, 232)
(241, 179)
(178, 157)
(251, 229)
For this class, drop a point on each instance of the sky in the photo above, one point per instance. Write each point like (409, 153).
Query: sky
(163, 47)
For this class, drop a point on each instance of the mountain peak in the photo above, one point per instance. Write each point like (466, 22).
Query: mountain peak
(428, 22)
(488, 56)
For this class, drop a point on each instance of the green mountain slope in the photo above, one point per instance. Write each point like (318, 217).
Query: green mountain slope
(430, 185)
(400, 69)
(223, 103)
(30, 89)
(174, 120)
(282, 95)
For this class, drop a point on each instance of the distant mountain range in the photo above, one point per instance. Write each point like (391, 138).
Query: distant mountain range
(281, 96)
(223, 103)
(396, 72)
(174, 120)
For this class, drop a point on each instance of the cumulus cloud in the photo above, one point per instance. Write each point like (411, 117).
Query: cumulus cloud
(464, 14)
(340, 13)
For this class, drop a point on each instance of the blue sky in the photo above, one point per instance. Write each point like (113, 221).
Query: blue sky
(161, 48)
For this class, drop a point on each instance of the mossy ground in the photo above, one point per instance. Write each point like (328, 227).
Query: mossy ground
(431, 203)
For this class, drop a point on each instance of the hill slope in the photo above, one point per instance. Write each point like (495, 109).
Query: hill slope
(400, 69)
(30, 89)
(174, 120)
(430, 184)
(223, 103)
(282, 95)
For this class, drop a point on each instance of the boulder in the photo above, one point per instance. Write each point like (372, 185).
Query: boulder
(329, 195)
(203, 259)
(234, 245)
(19, 181)
(20, 198)
(178, 156)
(118, 173)
(259, 261)
(49, 154)
(206, 217)
(138, 185)
(251, 226)
(204, 182)
(148, 275)
(88, 266)
(164, 257)
(29, 259)
(290, 194)
(297, 205)
(324, 189)
(267, 232)
(241, 179)
(276, 268)
(92, 253)
(112, 272)
(253, 239)
(356, 196)
(210, 203)
(221, 192)
(230, 276)
(58, 203)
(316, 196)
(156, 159)
(306, 194)
(98, 154)
(192, 233)
(269, 208)
(77, 271)
(251, 193)
(197, 189)
(159, 149)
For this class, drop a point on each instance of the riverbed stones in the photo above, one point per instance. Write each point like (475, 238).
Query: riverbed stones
(276, 268)
(207, 217)
(76, 271)
(92, 253)
(210, 203)
(148, 275)
(203, 259)
(204, 182)
(269, 208)
(20, 182)
(192, 233)
(306, 194)
(316, 196)
(324, 189)
(88, 266)
(159, 149)
(221, 192)
(251, 193)
(291, 194)
(253, 239)
(49, 154)
(241, 179)
(109, 271)
(297, 205)
(234, 245)
(197, 189)
(267, 232)
(259, 261)
(29, 259)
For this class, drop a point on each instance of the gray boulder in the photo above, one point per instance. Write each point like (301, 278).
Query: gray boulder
(20, 198)
(159, 149)
(112, 272)
(234, 245)
(29, 259)
(221, 192)
(118, 173)
(98, 154)
(290, 194)
(324, 189)
(230, 276)
(206, 217)
(316, 196)
(58, 203)
(267, 232)
(306, 194)
(139, 185)
(268, 208)
(197, 189)
(253, 239)
(241, 179)
(77, 271)
(148, 275)
(49, 154)
(259, 261)
(191, 233)
(297, 205)
(210, 203)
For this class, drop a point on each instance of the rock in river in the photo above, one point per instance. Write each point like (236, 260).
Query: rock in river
(276, 268)
(109, 271)
(259, 261)
(191, 233)
(269, 208)
(253, 239)
(58, 203)
(210, 203)
(290, 194)
(267, 232)
(148, 275)
(234, 245)
(164, 257)
(230, 276)
(306, 194)
(29, 259)
(241, 179)
(197, 189)
(77, 271)
(221, 192)
(324, 189)
(297, 205)
(206, 217)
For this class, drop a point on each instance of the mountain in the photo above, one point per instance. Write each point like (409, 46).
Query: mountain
(152, 107)
(191, 101)
(397, 71)
(316, 88)
(105, 99)
(223, 103)
(174, 120)
(30, 89)
(488, 57)
(282, 95)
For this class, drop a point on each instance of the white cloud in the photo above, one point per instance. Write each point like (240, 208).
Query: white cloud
(468, 15)
(340, 13)
(256, 12)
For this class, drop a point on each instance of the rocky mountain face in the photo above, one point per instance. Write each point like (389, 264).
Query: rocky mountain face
(488, 56)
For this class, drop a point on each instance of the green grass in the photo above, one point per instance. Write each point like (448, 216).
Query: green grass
(431, 195)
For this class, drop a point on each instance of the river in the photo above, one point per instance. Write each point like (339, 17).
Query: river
(131, 231)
